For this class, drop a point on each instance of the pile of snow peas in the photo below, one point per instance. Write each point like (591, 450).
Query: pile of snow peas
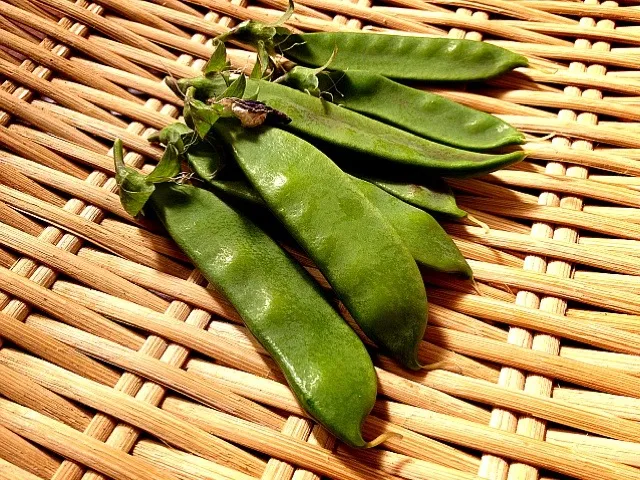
(338, 158)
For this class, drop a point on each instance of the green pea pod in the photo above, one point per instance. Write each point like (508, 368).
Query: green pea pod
(434, 196)
(427, 241)
(423, 113)
(359, 253)
(421, 233)
(353, 133)
(325, 363)
(403, 57)
(348, 130)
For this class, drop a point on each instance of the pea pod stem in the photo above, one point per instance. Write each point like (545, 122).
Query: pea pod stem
(323, 360)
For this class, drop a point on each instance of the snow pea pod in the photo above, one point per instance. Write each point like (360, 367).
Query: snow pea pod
(325, 363)
(423, 113)
(351, 131)
(427, 241)
(403, 57)
(360, 254)
(434, 196)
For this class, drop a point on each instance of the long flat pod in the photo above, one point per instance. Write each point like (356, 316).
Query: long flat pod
(324, 361)
(423, 113)
(403, 56)
(427, 241)
(360, 254)
(348, 130)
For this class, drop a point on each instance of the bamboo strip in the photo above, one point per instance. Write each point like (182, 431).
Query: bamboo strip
(589, 332)
(132, 110)
(103, 25)
(53, 350)
(45, 88)
(23, 391)
(67, 67)
(65, 310)
(519, 10)
(578, 253)
(172, 286)
(76, 188)
(25, 455)
(69, 39)
(295, 427)
(76, 267)
(609, 280)
(617, 161)
(133, 11)
(624, 407)
(165, 38)
(9, 471)
(156, 62)
(613, 450)
(149, 236)
(32, 115)
(28, 149)
(583, 220)
(68, 442)
(498, 29)
(623, 302)
(559, 100)
(616, 320)
(617, 361)
(100, 129)
(155, 89)
(14, 178)
(576, 186)
(72, 151)
(89, 231)
(185, 465)
(537, 362)
(144, 416)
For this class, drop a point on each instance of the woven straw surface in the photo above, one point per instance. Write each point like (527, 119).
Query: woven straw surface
(117, 361)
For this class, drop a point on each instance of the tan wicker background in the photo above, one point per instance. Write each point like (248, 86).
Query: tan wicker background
(116, 361)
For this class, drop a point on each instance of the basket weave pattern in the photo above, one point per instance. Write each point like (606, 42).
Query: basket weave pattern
(118, 361)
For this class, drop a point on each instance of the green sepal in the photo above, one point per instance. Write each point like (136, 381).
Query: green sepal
(168, 166)
(177, 134)
(306, 79)
(133, 188)
(236, 89)
(218, 62)
(198, 115)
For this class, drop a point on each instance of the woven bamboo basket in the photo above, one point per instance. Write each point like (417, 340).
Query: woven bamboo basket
(118, 361)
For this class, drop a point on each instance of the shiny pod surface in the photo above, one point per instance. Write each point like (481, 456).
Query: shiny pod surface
(403, 56)
(325, 363)
(357, 250)
(423, 113)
